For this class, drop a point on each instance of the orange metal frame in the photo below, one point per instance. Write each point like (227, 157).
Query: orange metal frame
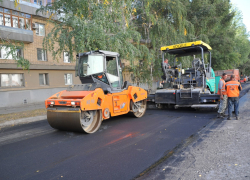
(117, 103)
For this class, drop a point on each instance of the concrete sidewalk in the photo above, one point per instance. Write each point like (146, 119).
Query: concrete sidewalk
(10, 116)
(24, 107)
(220, 151)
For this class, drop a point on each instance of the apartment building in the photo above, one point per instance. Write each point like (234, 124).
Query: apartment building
(46, 76)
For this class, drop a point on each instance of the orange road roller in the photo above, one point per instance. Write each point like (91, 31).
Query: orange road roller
(101, 95)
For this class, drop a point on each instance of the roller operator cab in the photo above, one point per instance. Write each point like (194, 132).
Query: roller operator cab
(101, 95)
(190, 87)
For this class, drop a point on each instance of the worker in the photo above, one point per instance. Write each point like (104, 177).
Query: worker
(223, 96)
(161, 84)
(103, 78)
(166, 64)
(233, 89)
(245, 80)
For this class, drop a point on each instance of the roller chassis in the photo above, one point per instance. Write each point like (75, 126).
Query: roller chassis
(102, 95)
(94, 106)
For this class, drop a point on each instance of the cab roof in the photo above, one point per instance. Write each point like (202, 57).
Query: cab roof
(188, 48)
(107, 53)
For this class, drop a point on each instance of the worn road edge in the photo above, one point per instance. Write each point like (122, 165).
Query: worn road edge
(22, 121)
(178, 148)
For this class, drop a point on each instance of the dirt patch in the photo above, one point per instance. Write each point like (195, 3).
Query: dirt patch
(24, 114)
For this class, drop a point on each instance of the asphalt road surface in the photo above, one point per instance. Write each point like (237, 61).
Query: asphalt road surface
(122, 148)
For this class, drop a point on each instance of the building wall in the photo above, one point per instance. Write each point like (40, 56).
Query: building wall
(32, 91)
(30, 49)
(16, 98)
(31, 79)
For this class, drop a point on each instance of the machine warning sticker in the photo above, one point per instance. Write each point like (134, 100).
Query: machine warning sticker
(122, 105)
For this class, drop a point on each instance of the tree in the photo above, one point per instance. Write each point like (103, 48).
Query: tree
(135, 29)
(161, 23)
(138, 28)
(212, 21)
(90, 25)
(242, 44)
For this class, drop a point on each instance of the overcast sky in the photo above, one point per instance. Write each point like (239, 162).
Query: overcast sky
(244, 7)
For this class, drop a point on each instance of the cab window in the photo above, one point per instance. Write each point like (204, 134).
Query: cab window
(92, 64)
(112, 72)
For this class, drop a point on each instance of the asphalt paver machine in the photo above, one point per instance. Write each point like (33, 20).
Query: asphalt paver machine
(187, 87)
(101, 95)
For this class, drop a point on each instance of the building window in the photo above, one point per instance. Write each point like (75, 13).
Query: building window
(21, 23)
(66, 57)
(49, 2)
(41, 54)
(68, 79)
(6, 54)
(19, 53)
(43, 79)
(40, 30)
(28, 23)
(38, 2)
(1, 19)
(11, 80)
(15, 19)
(7, 20)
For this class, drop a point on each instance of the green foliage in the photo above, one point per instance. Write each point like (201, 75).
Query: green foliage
(161, 23)
(220, 25)
(12, 46)
(23, 63)
(90, 25)
(137, 29)
(242, 44)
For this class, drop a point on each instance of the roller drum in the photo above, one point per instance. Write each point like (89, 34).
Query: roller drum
(74, 120)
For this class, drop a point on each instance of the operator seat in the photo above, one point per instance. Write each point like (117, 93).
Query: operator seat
(196, 63)
(126, 84)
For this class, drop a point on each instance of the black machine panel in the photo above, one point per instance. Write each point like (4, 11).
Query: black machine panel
(165, 96)
(186, 97)
(84, 87)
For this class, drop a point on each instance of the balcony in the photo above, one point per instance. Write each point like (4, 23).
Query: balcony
(16, 34)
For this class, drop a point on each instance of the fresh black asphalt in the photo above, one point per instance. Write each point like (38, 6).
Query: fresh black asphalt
(122, 148)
